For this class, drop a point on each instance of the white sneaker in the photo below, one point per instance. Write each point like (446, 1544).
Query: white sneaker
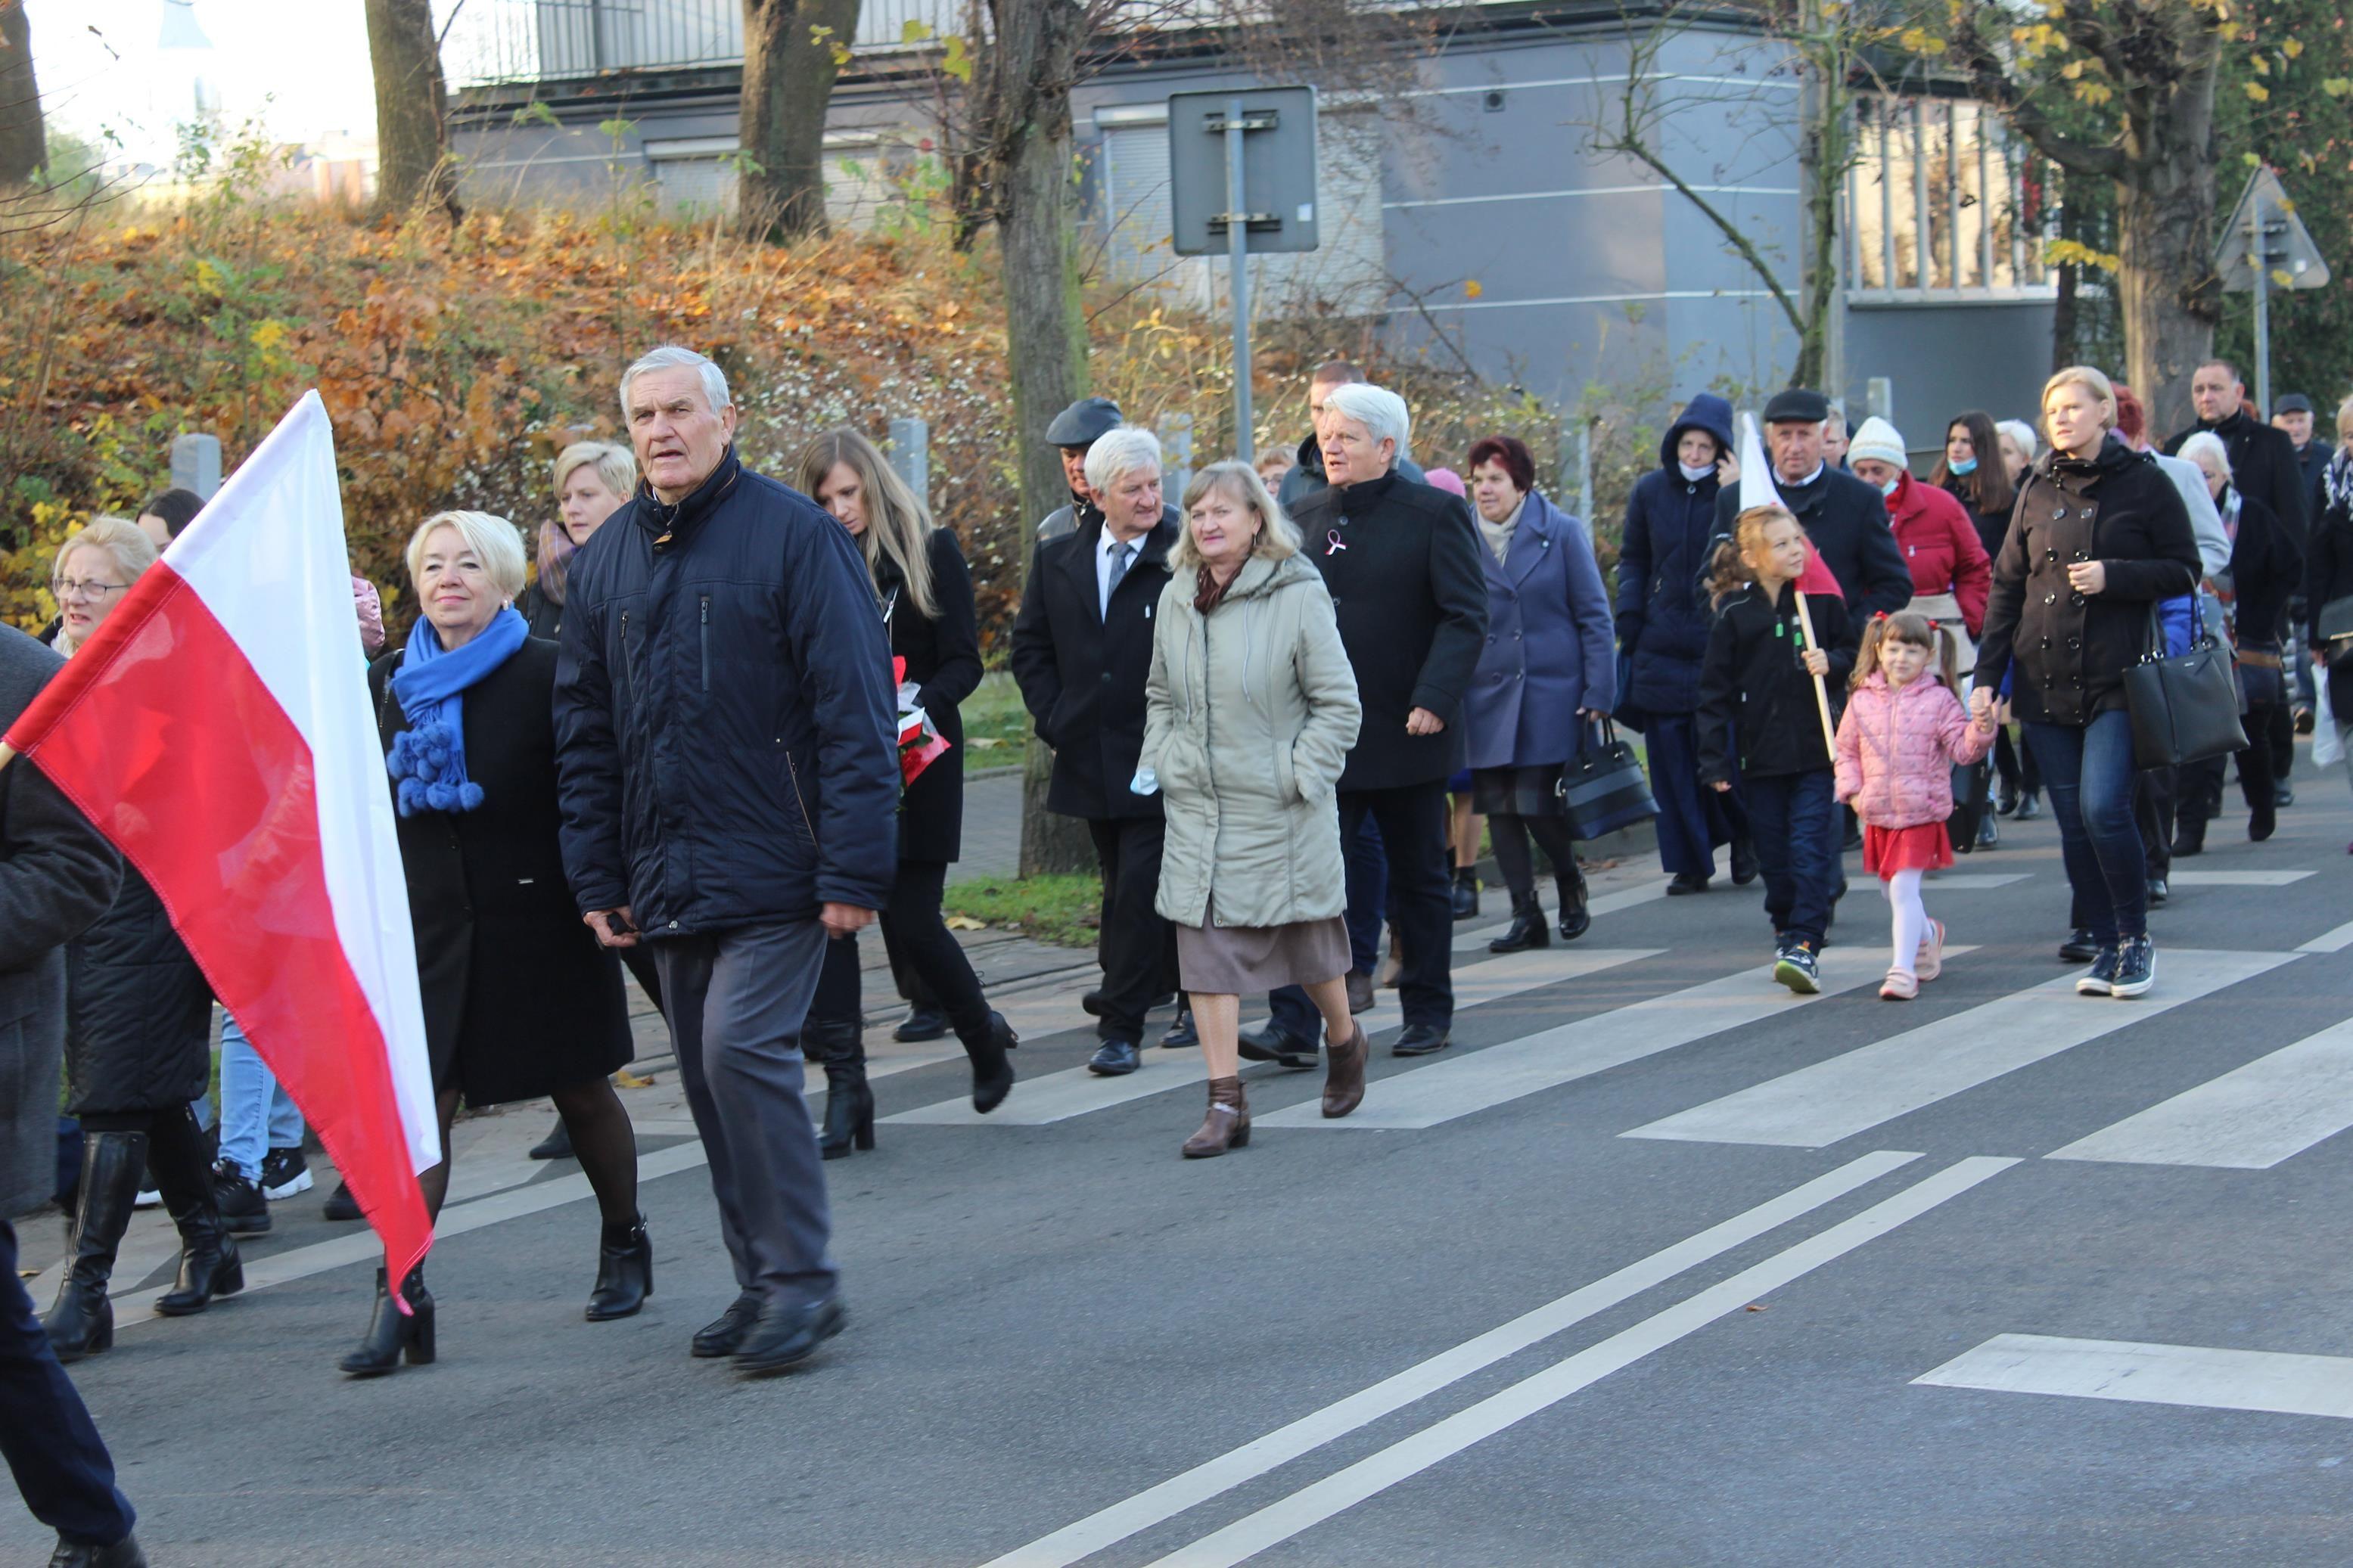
(1931, 961)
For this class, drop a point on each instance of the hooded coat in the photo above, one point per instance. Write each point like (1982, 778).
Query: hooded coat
(1251, 712)
(1663, 618)
(2071, 649)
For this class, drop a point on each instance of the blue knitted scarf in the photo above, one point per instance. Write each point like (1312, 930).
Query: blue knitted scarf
(428, 758)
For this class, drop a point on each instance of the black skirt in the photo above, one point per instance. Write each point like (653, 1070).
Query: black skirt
(1518, 791)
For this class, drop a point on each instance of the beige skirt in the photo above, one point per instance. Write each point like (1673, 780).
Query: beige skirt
(1243, 961)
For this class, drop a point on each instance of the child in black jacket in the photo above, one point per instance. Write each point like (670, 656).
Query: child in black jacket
(1762, 689)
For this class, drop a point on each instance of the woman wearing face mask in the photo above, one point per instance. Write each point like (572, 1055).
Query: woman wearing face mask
(1663, 620)
(924, 593)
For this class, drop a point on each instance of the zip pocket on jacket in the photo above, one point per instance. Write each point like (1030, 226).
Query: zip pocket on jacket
(706, 643)
(629, 679)
(794, 772)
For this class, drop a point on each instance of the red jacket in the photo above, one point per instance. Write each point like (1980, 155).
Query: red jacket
(1897, 748)
(1941, 547)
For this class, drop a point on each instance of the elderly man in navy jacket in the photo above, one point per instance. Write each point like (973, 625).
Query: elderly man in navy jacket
(725, 723)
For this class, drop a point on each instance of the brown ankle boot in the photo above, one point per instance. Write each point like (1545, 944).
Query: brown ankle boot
(1344, 1073)
(1227, 1125)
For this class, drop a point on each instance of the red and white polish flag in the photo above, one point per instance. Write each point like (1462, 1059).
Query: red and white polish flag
(217, 728)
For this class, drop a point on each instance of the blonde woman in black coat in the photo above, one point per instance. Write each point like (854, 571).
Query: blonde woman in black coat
(923, 591)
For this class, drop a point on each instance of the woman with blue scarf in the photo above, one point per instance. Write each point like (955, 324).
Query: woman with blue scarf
(519, 1001)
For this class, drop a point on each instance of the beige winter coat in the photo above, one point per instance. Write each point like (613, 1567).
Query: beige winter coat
(1249, 714)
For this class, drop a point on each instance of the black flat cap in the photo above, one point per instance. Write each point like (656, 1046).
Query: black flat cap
(1083, 423)
(2293, 402)
(1799, 404)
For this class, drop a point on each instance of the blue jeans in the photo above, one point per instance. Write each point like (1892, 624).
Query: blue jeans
(1795, 820)
(256, 1115)
(2090, 773)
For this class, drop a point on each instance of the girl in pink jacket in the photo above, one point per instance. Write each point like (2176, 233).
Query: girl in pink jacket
(1903, 732)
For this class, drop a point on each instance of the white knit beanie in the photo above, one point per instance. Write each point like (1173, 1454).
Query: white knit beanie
(1879, 439)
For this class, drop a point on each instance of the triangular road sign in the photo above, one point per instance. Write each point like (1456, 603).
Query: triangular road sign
(2295, 260)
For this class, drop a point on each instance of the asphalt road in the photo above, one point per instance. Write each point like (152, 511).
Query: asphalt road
(1657, 1265)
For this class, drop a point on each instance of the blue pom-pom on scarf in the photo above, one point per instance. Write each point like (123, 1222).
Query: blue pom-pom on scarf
(427, 760)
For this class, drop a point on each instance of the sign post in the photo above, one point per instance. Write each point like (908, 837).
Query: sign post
(2266, 246)
(1241, 174)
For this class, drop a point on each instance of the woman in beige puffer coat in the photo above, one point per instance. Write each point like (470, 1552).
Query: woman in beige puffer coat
(1250, 710)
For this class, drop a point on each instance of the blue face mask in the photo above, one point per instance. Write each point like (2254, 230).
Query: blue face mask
(1691, 474)
(1888, 489)
(1965, 468)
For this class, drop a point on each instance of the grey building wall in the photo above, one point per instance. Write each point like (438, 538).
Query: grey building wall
(1944, 359)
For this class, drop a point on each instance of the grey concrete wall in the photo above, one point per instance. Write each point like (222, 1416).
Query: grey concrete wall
(1944, 359)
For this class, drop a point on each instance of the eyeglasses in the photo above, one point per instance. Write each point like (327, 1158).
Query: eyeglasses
(66, 588)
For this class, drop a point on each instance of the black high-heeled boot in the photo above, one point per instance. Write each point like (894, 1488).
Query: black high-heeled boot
(390, 1333)
(1575, 921)
(81, 1323)
(209, 1265)
(1528, 928)
(625, 1273)
(992, 1073)
(848, 1102)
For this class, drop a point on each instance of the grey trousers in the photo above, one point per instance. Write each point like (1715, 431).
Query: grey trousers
(736, 1001)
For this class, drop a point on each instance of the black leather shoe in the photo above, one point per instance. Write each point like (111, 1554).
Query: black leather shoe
(1181, 1033)
(1528, 928)
(123, 1554)
(392, 1333)
(2009, 803)
(1575, 921)
(722, 1335)
(340, 1203)
(992, 1074)
(923, 1022)
(1466, 893)
(557, 1145)
(2157, 891)
(1276, 1044)
(2081, 947)
(2261, 822)
(81, 1322)
(1744, 869)
(2188, 837)
(625, 1275)
(787, 1334)
(1421, 1040)
(839, 1045)
(1686, 882)
(1115, 1058)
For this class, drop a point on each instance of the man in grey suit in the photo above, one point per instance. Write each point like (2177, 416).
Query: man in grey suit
(58, 874)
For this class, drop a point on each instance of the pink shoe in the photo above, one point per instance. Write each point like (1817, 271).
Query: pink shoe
(1931, 962)
(1898, 987)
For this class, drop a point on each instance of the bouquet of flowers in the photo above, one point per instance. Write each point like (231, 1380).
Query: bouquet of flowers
(920, 741)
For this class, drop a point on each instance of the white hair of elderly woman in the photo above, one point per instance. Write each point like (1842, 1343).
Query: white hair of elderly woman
(1118, 452)
(495, 541)
(2203, 445)
(1381, 412)
(2020, 431)
(669, 356)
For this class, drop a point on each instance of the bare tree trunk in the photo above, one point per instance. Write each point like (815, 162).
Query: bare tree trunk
(2164, 228)
(793, 49)
(23, 146)
(412, 102)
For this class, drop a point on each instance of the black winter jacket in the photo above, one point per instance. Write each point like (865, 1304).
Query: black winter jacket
(1847, 520)
(1992, 527)
(1082, 675)
(943, 656)
(1305, 477)
(2328, 577)
(2262, 465)
(1662, 616)
(1754, 693)
(725, 715)
(2072, 649)
(139, 1012)
(2266, 570)
(1411, 597)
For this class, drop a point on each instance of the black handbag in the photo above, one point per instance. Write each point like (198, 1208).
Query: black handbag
(1602, 788)
(2184, 709)
(1971, 785)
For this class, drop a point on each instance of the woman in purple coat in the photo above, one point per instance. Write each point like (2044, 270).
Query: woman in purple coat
(1545, 672)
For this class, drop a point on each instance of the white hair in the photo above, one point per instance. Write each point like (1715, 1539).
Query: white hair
(2205, 443)
(669, 356)
(1381, 412)
(2020, 431)
(497, 542)
(1118, 452)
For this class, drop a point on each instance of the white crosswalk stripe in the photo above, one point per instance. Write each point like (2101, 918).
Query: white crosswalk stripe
(1818, 1106)
(2154, 1374)
(2247, 1119)
(2236, 879)
(1480, 1080)
(1057, 1097)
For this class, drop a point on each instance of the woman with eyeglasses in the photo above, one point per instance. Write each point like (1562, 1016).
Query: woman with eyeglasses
(138, 1038)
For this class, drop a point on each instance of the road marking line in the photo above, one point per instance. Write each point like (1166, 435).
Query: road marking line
(1196, 1486)
(1312, 1505)
(2336, 940)
(1057, 1097)
(2238, 879)
(2199, 1375)
(1817, 1106)
(1973, 881)
(1496, 1075)
(2250, 1119)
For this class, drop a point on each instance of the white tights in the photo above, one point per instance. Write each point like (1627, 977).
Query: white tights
(1911, 918)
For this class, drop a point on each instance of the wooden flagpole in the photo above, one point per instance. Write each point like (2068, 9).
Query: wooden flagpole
(1821, 685)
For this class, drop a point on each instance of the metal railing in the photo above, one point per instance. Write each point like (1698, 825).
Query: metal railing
(500, 41)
